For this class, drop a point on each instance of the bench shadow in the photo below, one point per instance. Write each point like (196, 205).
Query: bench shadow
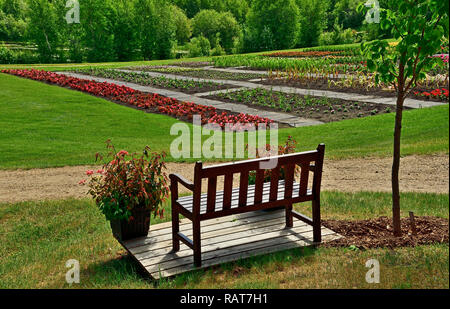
(121, 267)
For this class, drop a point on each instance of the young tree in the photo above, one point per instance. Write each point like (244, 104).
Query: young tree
(419, 26)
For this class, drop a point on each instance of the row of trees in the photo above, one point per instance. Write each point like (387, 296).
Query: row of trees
(153, 29)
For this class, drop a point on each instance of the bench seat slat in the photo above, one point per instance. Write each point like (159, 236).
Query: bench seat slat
(186, 202)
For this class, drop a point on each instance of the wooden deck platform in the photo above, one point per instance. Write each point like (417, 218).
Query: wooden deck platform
(224, 240)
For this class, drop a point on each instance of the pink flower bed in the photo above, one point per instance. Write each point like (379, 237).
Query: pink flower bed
(444, 57)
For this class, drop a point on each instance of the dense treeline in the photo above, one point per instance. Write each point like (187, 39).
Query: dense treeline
(110, 30)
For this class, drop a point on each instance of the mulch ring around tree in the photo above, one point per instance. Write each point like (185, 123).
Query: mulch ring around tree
(377, 233)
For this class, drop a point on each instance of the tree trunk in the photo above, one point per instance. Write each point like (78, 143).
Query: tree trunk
(396, 165)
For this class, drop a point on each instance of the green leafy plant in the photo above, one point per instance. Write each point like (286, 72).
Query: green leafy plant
(129, 181)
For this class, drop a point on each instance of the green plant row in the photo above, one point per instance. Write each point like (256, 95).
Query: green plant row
(145, 79)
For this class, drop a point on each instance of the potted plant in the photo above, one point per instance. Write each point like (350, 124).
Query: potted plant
(128, 189)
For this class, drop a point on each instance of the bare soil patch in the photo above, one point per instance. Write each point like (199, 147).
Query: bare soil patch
(318, 108)
(376, 233)
(417, 174)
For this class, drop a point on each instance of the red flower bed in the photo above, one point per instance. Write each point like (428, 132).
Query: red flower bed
(436, 93)
(152, 101)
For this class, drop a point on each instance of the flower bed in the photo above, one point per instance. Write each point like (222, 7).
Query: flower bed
(438, 93)
(147, 101)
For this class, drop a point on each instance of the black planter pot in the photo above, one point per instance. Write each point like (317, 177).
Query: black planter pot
(138, 226)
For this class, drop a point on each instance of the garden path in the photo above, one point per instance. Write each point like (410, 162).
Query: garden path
(428, 173)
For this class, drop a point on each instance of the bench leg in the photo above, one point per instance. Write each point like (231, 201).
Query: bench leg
(289, 217)
(197, 243)
(175, 230)
(317, 235)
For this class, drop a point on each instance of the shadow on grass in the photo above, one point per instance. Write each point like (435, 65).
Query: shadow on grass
(238, 268)
(123, 271)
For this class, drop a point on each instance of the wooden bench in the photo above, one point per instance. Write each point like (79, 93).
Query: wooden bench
(262, 195)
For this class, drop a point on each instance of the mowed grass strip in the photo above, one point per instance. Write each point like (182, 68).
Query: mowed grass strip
(47, 126)
(37, 238)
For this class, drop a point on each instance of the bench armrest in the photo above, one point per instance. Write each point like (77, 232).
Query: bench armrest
(180, 179)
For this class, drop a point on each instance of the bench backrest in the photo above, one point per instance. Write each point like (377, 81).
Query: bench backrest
(285, 164)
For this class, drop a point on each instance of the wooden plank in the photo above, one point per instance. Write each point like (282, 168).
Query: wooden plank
(254, 164)
(187, 204)
(289, 180)
(274, 183)
(243, 188)
(304, 175)
(209, 261)
(164, 241)
(212, 239)
(224, 239)
(166, 261)
(186, 226)
(227, 192)
(211, 201)
(259, 186)
(235, 223)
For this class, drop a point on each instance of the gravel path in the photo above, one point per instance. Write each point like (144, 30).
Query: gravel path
(418, 174)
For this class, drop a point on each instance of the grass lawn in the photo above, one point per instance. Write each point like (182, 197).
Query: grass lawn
(47, 126)
(37, 238)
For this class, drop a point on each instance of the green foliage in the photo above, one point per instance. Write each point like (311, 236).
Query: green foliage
(419, 29)
(217, 51)
(338, 36)
(43, 29)
(124, 30)
(11, 27)
(238, 8)
(272, 25)
(127, 30)
(218, 28)
(11, 56)
(199, 46)
(312, 21)
(156, 29)
(96, 21)
(182, 23)
(346, 14)
(206, 23)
